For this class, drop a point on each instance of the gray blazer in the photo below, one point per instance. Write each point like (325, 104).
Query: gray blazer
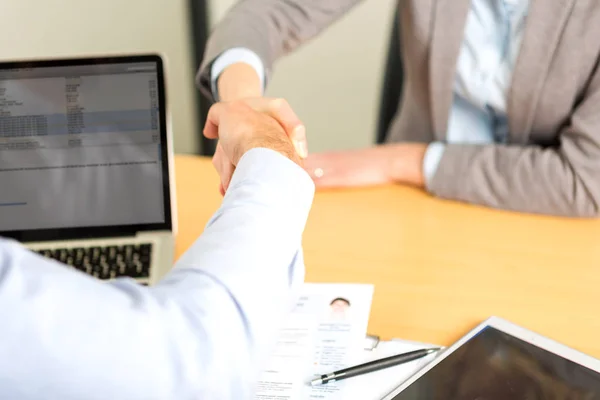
(551, 163)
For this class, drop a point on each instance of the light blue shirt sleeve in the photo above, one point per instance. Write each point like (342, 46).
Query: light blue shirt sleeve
(433, 156)
(232, 56)
(203, 332)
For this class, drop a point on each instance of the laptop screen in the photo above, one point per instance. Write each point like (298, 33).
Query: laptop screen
(83, 148)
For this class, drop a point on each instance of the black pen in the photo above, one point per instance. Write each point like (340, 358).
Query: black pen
(373, 366)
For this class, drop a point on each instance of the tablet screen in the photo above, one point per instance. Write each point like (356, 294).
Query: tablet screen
(496, 366)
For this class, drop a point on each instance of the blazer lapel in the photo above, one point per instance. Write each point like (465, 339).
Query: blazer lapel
(449, 21)
(545, 22)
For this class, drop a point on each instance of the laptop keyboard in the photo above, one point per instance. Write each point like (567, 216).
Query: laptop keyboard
(106, 262)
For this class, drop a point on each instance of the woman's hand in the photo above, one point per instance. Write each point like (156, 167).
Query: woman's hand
(381, 165)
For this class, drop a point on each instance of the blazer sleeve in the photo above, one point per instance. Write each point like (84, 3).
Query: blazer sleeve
(270, 28)
(562, 180)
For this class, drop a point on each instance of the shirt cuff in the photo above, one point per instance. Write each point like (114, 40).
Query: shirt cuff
(283, 182)
(433, 156)
(233, 56)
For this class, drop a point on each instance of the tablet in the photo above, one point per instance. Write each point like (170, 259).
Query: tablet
(498, 361)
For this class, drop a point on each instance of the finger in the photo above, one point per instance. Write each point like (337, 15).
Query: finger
(299, 140)
(217, 164)
(283, 112)
(211, 127)
(226, 179)
(224, 167)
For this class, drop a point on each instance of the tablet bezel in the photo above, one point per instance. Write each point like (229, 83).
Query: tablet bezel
(511, 329)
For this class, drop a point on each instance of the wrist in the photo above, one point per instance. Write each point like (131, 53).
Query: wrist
(406, 163)
(281, 145)
(239, 81)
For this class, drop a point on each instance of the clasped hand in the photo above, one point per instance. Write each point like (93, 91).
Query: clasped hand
(271, 123)
(242, 125)
(256, 122)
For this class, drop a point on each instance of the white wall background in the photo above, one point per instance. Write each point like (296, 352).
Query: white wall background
(67, 28)
(334, 82)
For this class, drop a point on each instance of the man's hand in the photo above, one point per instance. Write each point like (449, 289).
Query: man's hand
(240, 128)
(277, 109)
(391, 163)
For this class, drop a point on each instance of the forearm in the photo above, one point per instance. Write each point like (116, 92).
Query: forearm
(263, 216)
(398, 162)
(269, 28)
(406, 163)
(71, 337)
(238, 81)
(520, 178)
(201, 333)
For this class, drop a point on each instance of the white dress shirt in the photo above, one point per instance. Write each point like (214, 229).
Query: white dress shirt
(493, 35)
(202, 333)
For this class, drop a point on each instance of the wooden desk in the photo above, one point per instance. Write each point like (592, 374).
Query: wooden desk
(439, 268)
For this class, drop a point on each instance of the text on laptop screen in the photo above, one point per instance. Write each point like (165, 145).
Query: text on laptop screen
(80, 146)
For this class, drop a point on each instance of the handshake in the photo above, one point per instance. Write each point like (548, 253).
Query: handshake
(246, 124)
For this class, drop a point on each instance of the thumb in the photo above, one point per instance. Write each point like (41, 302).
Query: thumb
(299, 140)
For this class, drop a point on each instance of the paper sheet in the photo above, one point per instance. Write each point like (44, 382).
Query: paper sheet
(289, 362)
(325, 332)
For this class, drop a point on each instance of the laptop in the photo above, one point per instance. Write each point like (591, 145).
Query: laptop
(86, 164)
